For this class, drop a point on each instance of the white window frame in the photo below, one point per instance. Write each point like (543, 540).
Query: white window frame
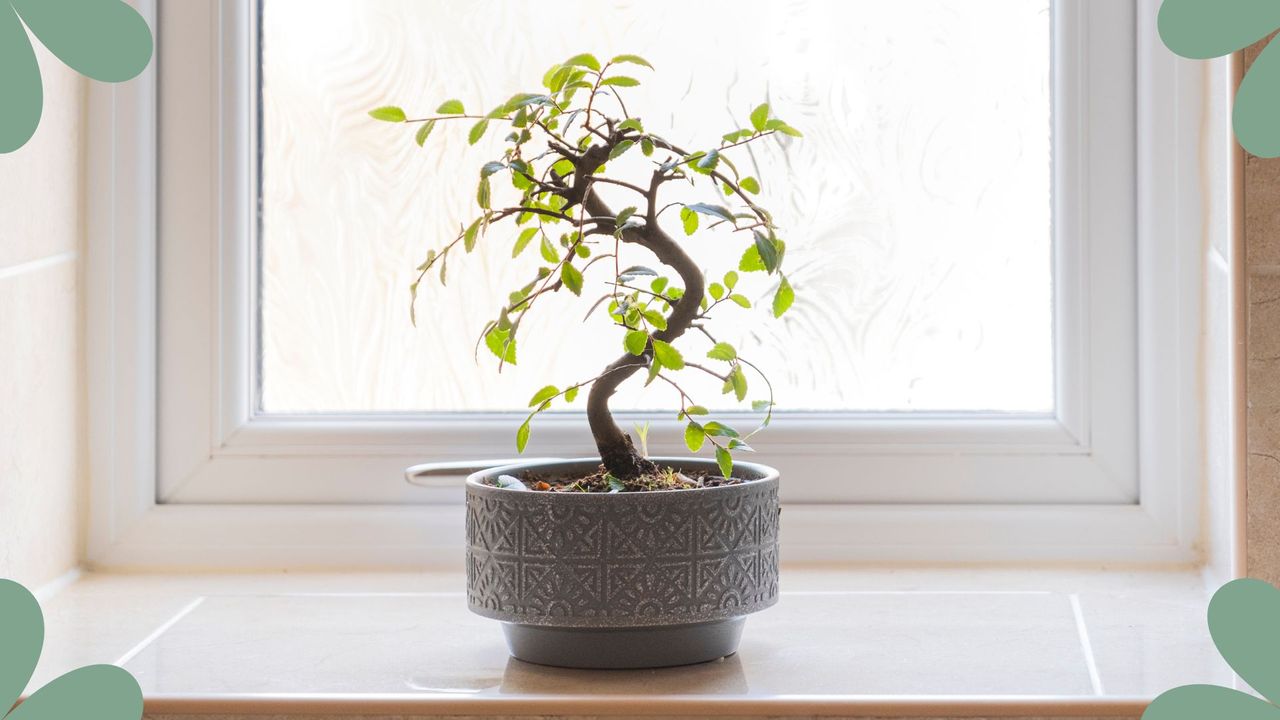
(191, 475)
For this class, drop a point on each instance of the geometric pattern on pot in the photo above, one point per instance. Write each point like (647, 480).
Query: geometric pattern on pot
(625, 560)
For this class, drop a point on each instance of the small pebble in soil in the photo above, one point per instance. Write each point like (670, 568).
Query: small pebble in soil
(511, 483)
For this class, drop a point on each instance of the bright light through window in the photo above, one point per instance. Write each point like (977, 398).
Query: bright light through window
(916, 209)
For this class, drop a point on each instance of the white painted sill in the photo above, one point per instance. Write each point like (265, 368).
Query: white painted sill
(848, 642)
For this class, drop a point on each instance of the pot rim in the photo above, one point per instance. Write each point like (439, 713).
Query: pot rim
(765, 474)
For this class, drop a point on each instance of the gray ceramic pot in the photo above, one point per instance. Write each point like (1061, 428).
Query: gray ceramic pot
(626, 580)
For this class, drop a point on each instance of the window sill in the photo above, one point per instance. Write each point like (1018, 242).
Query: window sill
(859, 642)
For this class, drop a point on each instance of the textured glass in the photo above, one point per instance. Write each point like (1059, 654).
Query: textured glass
(916, 208)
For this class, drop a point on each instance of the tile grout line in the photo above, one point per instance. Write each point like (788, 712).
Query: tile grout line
(1090, 662)
(785, 593)
(133, 652)
(23, 268)
(45, 592)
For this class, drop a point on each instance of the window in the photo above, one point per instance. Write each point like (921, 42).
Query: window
(972, 213)
(917, 206)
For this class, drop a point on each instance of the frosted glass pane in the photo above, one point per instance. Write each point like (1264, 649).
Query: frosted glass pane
(916, 208)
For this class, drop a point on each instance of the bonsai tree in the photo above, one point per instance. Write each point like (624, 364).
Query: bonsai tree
(557, 155)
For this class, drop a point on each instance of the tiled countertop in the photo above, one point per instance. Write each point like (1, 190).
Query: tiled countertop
(848, 642)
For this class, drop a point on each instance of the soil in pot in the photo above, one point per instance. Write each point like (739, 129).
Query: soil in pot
(601, 481)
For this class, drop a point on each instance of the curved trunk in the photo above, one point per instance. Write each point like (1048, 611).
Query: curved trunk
(617, 451)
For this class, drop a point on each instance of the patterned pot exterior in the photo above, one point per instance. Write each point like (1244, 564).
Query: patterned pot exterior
(622, 560)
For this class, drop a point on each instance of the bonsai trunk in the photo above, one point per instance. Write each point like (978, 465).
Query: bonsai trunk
(617, 451)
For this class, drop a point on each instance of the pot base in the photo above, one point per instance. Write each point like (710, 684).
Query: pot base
(624, 648)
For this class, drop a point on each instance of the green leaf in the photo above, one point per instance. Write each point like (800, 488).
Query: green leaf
(388, 113)
(635, 341)
(523, 241)
(491, 167)
(586, 60)
(572, 278)
(501, 344)
(563, 167)
(543, 395)
(696, 410)
(646, 146)
(719, 211)
(750, 184)
(725, 461)
(667, 356)
(720, 429)
(477, 132)
(483, 193)
(620, 148)
(631, 124)
(690, 220)
(761, 405)
(783, 298)
(571, 394)
(620, 81)
(760, 116)
(556, 77)
(786, 130)
(740, 300)
(522, 436)
(521, 100)
(549, 252)
(751, 261)
(451, 107)
(659, 285)
(709, 161)
(768, 251)
(739, 380)
(655, 319)
(730, 279)
(716, 290)
(469, 238)
(694, 437)
(635, 271)
(424, 131)
(654, 368)
(722, 351)
(633, 59)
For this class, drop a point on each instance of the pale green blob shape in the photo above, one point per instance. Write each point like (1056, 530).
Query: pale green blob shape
(105, 40)
(1200, 29)
(1244, 620)
(1209, 702)
(21, 95)
(1256, 119)
(97, 692)
(21, 634)
(101, 39)
(94, 692)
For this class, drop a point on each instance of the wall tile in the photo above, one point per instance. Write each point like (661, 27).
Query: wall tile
(40, 424)
(40, 183)
(1262, 211)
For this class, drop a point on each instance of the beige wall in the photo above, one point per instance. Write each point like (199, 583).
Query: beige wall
(1262, 377)
(41, 390)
